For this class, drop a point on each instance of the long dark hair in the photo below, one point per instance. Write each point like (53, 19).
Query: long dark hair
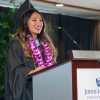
(24, 31)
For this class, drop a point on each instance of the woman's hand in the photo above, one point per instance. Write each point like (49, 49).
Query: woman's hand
(36, 70)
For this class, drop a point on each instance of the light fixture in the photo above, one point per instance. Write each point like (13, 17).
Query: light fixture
(59, 5)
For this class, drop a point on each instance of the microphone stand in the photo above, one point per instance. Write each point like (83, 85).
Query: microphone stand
(66, 33)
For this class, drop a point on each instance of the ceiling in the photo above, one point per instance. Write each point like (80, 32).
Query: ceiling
(89, 9)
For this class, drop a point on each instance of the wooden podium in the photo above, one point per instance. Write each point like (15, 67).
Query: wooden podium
(60, 82)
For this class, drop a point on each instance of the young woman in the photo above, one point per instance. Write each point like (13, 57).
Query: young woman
(29, 50)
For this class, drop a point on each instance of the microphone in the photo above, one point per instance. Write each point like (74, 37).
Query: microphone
(70, 37)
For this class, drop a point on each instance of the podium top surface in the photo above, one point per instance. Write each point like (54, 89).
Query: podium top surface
(84, 55)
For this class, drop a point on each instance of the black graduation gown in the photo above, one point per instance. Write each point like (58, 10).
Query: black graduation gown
(17, 85)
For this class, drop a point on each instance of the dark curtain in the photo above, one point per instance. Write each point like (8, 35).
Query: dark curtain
(79, 29)
(95, 43)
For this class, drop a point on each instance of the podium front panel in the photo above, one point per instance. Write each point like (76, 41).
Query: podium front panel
(88, 82)
(53, 84)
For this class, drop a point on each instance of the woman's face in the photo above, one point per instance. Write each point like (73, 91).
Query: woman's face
(35, 24)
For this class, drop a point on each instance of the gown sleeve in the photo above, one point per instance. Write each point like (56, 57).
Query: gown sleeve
(17, 70)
